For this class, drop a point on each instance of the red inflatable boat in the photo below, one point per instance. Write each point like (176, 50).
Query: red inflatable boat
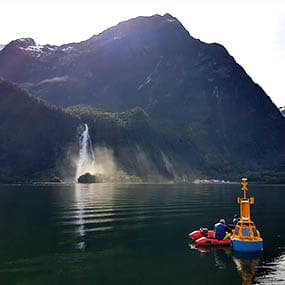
(205, 237)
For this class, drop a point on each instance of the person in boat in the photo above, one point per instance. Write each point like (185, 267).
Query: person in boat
(235, 219)
(222, 231)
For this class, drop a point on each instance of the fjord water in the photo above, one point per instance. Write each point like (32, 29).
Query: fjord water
(132, 234)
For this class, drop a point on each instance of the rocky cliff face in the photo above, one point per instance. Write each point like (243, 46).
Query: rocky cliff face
(196, 95)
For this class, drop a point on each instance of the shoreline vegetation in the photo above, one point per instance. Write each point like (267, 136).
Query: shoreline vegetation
(257, 178)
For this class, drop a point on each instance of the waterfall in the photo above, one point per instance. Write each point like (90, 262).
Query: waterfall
(86, 161)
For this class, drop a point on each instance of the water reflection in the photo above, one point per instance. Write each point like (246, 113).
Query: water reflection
(246, 264)
(87, 208)
(274, 271)
(80, 214)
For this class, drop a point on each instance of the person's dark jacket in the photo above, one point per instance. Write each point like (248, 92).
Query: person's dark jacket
(220, 231)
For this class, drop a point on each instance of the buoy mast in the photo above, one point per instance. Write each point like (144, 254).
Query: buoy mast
(245, 202)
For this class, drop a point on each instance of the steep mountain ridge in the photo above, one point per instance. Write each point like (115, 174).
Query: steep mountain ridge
(119, 58)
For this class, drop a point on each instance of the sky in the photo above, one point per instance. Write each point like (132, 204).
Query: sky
(253, 31)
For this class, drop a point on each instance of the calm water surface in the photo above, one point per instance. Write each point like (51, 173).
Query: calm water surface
(132, 234)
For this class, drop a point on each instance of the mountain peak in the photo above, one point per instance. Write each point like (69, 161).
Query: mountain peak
(164, 30)
(169, 16)
(17, 46)
(22, 43)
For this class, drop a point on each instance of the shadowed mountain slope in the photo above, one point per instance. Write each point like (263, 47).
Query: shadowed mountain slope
(33, 135)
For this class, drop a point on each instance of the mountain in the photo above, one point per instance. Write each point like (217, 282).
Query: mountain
(40, 142)
(198, 99)
(33, 135)
(282, 110)
(1, 47)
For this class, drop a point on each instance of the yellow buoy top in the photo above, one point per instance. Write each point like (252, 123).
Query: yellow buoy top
(245, 202)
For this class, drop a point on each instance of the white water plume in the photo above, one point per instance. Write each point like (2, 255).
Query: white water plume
(105, 169)
(86, 161)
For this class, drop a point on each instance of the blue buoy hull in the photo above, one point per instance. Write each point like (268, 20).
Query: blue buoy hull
(247, 246)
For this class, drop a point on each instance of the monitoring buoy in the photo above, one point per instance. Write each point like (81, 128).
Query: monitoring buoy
(246, 237)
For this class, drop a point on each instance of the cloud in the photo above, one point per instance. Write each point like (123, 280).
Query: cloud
(57, 79)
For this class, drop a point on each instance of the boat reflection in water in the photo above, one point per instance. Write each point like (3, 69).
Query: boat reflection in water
(210, 249)
(221, 254)
(246, 264)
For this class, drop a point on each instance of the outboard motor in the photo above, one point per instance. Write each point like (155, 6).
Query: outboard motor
(202, 232)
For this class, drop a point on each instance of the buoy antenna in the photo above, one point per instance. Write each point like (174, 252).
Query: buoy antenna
(245, 202)
(244, 188)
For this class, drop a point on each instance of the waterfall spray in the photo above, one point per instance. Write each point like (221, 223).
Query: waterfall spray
(86, 161)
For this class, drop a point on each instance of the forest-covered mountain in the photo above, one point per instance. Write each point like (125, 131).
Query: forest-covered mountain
(204, 113)
(33, 135)
(40, 142)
